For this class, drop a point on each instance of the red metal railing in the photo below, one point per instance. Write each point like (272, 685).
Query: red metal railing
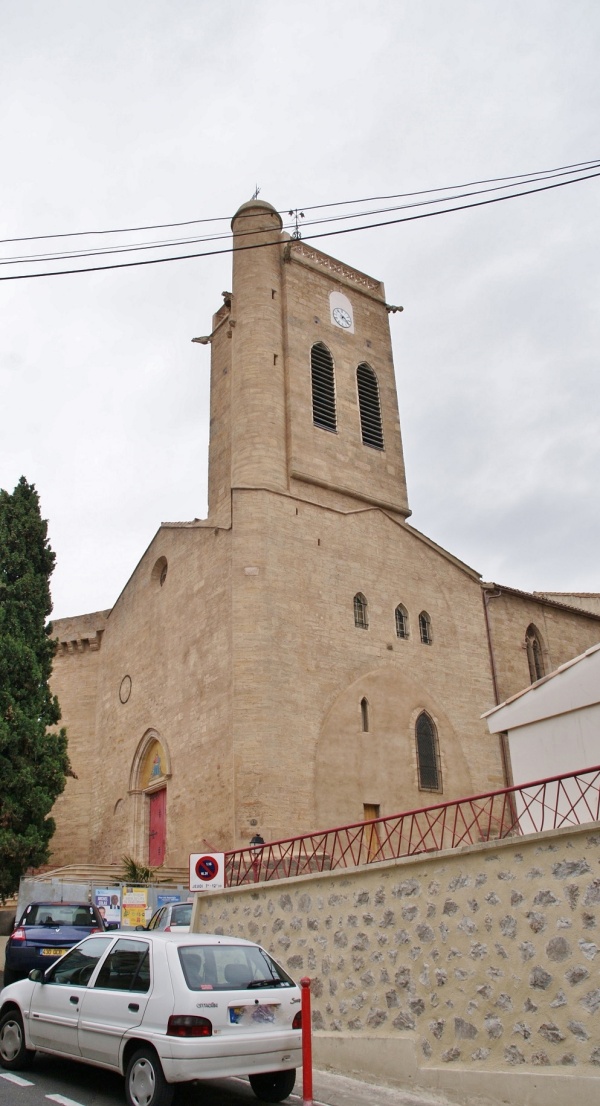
(566, 800)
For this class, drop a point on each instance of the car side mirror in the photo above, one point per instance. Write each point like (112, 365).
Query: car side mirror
(36, 975)
(141, 927)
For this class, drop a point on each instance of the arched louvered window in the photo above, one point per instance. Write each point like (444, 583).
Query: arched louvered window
(364, 715)
(401, 621)
(323, 387)
(360, 612)
(428, 760)
(425, 628)
(369, 407)
(535, 655)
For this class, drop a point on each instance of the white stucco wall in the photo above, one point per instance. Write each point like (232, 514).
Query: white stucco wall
(553, 746)
(553, 729)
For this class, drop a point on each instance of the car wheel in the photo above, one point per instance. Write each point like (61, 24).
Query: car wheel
(13, 1053)
(273, 1086)
(145, 1084)
(9, 977)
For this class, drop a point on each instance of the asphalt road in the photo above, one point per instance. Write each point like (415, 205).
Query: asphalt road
(67, 1083)
(71, 1084)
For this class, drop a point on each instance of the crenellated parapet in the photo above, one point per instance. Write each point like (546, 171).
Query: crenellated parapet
(81, 634)
(299, 251)
(82, 645)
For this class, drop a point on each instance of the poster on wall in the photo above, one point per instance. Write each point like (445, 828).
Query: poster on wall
(108, 901)
(164, 900)
(135, 904)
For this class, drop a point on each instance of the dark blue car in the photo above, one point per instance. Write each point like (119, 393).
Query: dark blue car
(45, 931)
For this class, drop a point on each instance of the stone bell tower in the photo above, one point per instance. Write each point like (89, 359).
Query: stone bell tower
(305, 451)
(303, 396)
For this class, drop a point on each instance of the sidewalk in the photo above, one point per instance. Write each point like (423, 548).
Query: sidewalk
(331, 1089)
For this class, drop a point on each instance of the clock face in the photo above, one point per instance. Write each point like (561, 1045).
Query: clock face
(342, 317)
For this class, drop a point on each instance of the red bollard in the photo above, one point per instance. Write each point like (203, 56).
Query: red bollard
(307, 1080)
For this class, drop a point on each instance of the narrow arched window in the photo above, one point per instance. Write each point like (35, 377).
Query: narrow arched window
(369, 407)
(428, 761)
(323, 387)
(401, 621)
(535, 655)
(364, 715)
(425, 628)
(360, 612)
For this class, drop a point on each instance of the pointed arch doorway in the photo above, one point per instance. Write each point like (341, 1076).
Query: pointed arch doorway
(150, 772)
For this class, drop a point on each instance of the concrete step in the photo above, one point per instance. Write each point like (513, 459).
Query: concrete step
(106, 873)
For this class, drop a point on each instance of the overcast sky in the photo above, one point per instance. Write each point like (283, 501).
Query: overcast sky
(156, 111)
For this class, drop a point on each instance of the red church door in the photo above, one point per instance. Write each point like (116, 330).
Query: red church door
(158, 828)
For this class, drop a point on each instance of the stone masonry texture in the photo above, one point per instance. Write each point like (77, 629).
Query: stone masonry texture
(486, 957)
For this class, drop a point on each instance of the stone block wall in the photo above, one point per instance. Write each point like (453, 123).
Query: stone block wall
(486, 958)
(76, 670)
(339, 461)
(172, 640)
(300, 667)
(563, 637)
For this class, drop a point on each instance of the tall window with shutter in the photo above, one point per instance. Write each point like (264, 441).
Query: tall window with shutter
(323, 388)
(369, 407)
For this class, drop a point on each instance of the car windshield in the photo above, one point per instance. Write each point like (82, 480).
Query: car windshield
(59, 914)
(230, 968)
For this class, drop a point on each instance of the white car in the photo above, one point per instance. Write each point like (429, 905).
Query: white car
(174, 916)
(161, 1008)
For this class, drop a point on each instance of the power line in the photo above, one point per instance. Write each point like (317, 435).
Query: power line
(308, 237)
(579, 166)
(29, 259)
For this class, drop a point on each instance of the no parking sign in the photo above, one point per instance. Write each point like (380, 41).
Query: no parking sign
(207, 871)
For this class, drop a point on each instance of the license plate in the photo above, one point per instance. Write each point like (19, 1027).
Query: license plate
(54, 952)
(264, 1013)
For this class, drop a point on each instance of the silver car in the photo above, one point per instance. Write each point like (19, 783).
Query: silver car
(161, 1008)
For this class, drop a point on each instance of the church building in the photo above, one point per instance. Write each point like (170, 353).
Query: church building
(303, 657)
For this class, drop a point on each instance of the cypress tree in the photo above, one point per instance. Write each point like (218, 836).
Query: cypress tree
(33, 758)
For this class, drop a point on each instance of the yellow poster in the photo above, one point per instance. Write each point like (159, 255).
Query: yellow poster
(134, 905)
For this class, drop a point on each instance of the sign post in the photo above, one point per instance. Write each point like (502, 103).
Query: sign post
(307, 1074)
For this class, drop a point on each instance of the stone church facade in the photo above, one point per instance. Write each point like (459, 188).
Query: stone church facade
(303, 657)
